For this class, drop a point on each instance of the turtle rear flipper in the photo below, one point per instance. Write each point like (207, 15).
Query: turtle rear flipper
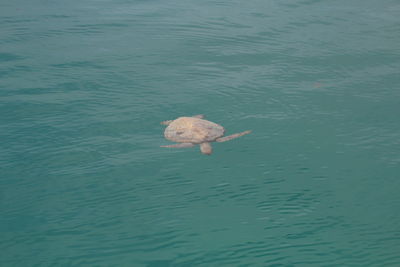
(232, 136)
(166, 122)
(200, 116)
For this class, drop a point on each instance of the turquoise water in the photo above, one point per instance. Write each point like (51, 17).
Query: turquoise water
(83, 88)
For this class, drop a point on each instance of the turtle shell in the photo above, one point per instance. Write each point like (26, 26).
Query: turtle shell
(193, 130)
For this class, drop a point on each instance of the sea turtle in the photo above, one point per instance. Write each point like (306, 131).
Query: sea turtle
(191, 131)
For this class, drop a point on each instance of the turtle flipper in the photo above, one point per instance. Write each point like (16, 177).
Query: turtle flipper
(200, 116)
(180, 145)
(166, 122)
(232, 136)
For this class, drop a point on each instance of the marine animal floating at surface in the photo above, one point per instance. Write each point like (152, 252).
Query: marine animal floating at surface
(191, 131)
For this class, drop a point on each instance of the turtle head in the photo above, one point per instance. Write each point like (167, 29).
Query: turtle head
(206, 148)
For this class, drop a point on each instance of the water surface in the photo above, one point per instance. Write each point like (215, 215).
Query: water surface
(84, 85)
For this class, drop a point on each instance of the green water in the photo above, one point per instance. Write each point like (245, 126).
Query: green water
(85, 84)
